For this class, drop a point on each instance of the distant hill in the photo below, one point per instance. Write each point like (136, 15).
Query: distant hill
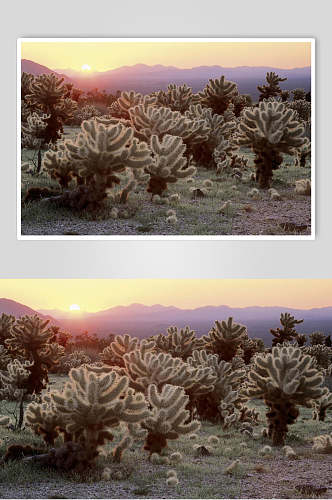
(36, 69)
(146, 79)
(143, 321)
(16, 309)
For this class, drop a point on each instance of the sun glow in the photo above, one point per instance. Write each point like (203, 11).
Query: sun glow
(74, 307)
(86, 67)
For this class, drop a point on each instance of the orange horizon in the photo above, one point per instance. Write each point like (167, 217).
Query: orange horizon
(94, 295)
(104, 56)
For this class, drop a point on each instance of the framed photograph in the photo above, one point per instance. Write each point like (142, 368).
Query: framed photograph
(166, 138)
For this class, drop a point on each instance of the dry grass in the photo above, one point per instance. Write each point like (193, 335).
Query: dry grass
(199, 477)
(200, 216)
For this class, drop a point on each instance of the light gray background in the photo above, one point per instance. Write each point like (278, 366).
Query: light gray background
(169, 259)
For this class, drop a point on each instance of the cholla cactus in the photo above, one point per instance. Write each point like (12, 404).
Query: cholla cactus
(145, 368)
(87, 409)
(73, 360)
(321, 405)
(149, 121)
(33, 133)
(30, 337)
(272, 89)
(48, 95)
(14, 385)
(26, 80)
(250, 347)
(224, 339)
(287, 332)
(317, 338)
(5, 358)
(127, 100)
(302, 108)
(270, 129)
(123, 344)
(323, 443)
(220, 131)
(298, 94)
(6, 324)
(169, 418)
(218, 94)
(221, 404)
(98, 154)
(303, 153)
(86, 113)
(322, 354)
(169, 165)
(284, 378)
(176, 97)
(178, 343)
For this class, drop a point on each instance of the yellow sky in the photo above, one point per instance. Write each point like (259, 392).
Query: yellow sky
(93, 295)
(102, 56)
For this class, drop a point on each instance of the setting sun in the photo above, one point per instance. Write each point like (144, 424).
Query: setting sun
(74, 307)
(86, 67)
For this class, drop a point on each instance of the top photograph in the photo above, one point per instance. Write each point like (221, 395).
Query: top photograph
(164, 138)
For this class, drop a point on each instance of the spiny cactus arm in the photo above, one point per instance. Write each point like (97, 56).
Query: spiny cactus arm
(119, 347)
(169, 417)
(29, 333)
(46, 90)
(5, 358)
(6, 323)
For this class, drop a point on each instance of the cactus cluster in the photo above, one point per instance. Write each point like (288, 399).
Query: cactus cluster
(30, 338)
(97, 156)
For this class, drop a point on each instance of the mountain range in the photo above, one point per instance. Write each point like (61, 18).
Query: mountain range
(145, 79)
(142, 321)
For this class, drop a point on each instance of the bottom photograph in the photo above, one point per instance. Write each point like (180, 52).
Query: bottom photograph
(160, 388)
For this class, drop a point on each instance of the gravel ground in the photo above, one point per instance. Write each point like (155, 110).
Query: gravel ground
(265, 217)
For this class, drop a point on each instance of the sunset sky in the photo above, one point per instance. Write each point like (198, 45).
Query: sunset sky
(94, 295)
(102, 56)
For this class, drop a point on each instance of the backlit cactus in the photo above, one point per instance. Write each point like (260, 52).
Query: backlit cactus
(224, 339)
(31, 338)
(169, 417)
(285, 379)
(169, 163)
(87, 409)
(287, 332)
(271, 129)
